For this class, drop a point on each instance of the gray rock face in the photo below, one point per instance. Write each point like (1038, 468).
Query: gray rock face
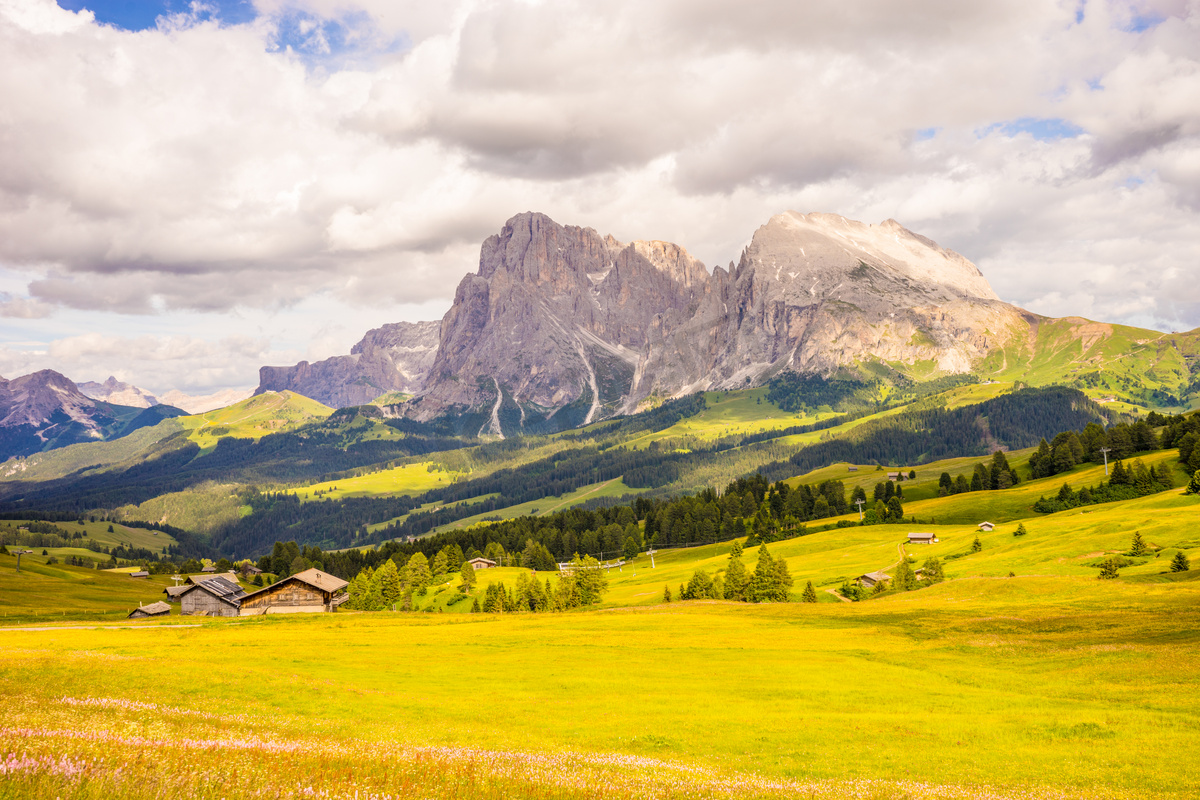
(561, 326)
(557, 315)
(115, 391)
(392, 358)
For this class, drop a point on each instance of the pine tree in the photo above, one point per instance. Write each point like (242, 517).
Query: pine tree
(879, 588)
(783, 581)
(475, 606)
(904, 580)
(419, 575)
(1180, 563)
(389, 583)
(762, 582)
(440, 564)
(666, 594)
(467, 576)
(735, 576)
(1138, 547)
(1193, 486)
(1020, 531)
(810, 593)
(1108, 570)
(932, 571)
(976, 545)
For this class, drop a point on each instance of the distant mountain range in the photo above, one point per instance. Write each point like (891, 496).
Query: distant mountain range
(561, 326)
(115, 391)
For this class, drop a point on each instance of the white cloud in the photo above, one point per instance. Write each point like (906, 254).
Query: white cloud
(196, 169)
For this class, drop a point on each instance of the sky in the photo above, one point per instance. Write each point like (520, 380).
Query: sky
(189, 191)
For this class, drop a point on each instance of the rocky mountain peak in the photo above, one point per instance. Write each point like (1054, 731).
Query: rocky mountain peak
(119, 392)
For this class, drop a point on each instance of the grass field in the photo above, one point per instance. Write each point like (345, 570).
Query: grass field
(1021, 688)
(730, 414)
(254, 418)
(408, 479)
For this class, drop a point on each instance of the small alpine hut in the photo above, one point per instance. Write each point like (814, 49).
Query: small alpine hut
(173, 592)
(872, 578)
(209, 568)
(922, 538)
(986, 526)
(481, 563)
(159, 609)
(307, 591)
(140, 574)
(214, 597)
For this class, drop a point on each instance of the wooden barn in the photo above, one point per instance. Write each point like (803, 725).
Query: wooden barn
(140, 574)
(215, 597)
(986, 526)
(309, 591)
(159, 609)
(481, 563)
(173, 592)
(922, 538)
(872, 578)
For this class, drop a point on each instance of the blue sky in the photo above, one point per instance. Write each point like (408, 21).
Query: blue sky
(137, 15)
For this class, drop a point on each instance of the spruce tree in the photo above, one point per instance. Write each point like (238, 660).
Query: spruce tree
(904, 580)
(1193, 486)
(932, 571)
(1020, 531)
(810, 593)
(879, 588)
(666, 594)
(467, 576)
(762, 582)
(1138, 547)
(735, 576)
(976, 545)
(1180, 563)
(1108, 570)
(783, 581)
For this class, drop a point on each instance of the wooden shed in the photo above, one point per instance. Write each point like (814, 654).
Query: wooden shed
(159, 609)
(173, 592)
(481, 563)
(872, 578)
(140, 574)
(215, 597)
(986, 526)
(922, 538)
(309, 591)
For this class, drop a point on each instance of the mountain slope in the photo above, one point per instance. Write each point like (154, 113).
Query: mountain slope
(45, 410)
(392, 358)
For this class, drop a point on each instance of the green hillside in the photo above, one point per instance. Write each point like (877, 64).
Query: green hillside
(271, 412)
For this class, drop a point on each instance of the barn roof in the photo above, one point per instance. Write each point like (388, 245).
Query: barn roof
(174, 591)
(878, 576)
(139, 574)
(221, 588)
(922, 536)
(229, 576)
(481, 560)
(321, 580)
(153, 610)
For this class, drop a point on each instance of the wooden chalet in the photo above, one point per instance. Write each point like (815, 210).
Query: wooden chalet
(215, 597)
(872, 578)
(309, 591)
(922, 538)
(159, 609)
(139, 574)
(986, 526)
(481, 563)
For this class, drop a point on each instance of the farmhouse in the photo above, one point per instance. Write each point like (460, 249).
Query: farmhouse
(310, 590)
(214, 597)
(922, 538)
(986, 526)
(159, 609)
(481, 563)
(872, 578)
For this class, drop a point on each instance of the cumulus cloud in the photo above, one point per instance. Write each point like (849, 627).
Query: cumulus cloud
(359, 150)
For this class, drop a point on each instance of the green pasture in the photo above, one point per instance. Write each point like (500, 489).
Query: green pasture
(45, 591)
(546, 505)
(255, 417)
(737, 413)
(408, 479)
(1025, 687)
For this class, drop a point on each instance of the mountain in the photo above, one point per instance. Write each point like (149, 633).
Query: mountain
(115, 391)
(45, 410)
(561, 326)
(198, 404)
(392, 358)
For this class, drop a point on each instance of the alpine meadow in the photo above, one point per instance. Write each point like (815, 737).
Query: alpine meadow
(362, 439)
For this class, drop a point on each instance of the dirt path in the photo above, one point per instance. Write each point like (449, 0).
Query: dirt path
(552, 509)
(838, 596)
(900, 550)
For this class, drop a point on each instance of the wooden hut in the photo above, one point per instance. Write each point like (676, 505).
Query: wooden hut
(140, 574)
(173, 592)
(872, 578)
(159, 609)
(215, 597)
(922, 538)
(309, 591)
(481, 563)
(986, 526)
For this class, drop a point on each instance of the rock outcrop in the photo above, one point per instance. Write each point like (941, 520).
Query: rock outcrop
(115, 391)
(392, 358)
(561, 325)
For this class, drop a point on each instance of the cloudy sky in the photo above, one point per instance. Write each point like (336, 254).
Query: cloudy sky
(189, 191)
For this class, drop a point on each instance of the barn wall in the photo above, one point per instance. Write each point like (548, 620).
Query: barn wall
(200, 601)
(293, 593)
